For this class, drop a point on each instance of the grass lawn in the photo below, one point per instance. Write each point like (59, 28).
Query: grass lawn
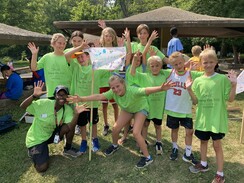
(15, 166)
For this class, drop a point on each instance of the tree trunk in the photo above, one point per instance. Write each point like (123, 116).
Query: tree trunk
(223, 49)
(123, 7)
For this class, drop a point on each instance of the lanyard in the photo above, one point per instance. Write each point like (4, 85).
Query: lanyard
(56, 118)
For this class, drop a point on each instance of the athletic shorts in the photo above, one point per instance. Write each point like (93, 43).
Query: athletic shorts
(174, 122)
(206, 135)
(84, 117)
(40, 152)
(103, 90)
(156, 121)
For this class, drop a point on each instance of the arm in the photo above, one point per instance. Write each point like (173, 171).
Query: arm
(95, 97)
(232, 76)
(126, 34)
(133, 65)
(188, 87)
(102, 24)
(69, 54)
(36, 94)
(163, 87)
(153, 36)
(34, 51)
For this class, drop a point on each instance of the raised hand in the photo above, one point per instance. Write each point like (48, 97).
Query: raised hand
(73, 99)
(232, 76)
(154, 35)
(102, 24)
(97, 43)
(189, 82)
(126, 34)
(207, 46)
(167, 85)
(32, 47)
(152, 52)
(84, 44)
(38, 89)
(80, 108)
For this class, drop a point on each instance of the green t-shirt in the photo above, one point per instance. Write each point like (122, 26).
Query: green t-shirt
(82, 81)
(156, 101)
(212, 93)
(44, 120)
(129, 78)
(56, 71)
(138, 46)
(132, 101)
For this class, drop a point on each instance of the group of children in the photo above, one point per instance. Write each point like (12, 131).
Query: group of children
(146, 94)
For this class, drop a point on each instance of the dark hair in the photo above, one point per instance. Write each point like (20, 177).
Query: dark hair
(173, 31)
(76, 34)
(5, 68)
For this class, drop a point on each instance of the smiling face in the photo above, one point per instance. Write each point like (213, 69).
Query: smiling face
(83, 59)
(117, 85)
(155, 65)
(208, 60)
(143, 36)
(59, 45)
(61, 97)
(76, 41)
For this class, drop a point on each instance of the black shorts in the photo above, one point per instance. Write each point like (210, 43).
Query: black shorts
(40, 152)
(206, 135)
(174, 122)
(156, 121)
(84, 117)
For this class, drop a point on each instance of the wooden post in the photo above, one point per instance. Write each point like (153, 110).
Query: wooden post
(91, 117)
(242, 128)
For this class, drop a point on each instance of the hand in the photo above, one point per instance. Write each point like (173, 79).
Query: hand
(167, 85)
(80, 108)
(232, 76)
(73, 99)
(84, 44)
(97, 43)
(194, 65)
(152, 52)
(32, 47)
(38, 89)
(207, 46)
(189, 82)
(137, 56)
(154, 35)
(102, 24)
(126, 34)
(120, 41)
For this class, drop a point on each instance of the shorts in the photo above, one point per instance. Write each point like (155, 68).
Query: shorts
(156, 121)
(174, 122)
(84, 117)
(103, 90)
(202, 135)
(40, 152)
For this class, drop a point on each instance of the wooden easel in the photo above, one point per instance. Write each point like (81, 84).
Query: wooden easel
(242, 128)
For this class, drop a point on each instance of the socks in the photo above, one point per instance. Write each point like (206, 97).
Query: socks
(149, 157)
(115, 145)
(220, 173)
(188, 150)
(175, 145)
(204, 163)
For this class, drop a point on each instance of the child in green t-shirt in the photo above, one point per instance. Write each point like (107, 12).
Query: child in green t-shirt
(133, 103)
(210, 92)
(81, 85)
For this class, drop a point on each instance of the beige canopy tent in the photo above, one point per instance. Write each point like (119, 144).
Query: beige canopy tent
(189, 24)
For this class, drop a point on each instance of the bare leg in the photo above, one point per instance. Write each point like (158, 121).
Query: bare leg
(217, 145)
(116, 111)
(105, 113)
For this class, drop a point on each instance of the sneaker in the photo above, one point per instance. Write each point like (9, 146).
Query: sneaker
(198, 168)
(77, 130)
(95, 145)
(110, 150)
(105, 130)
(159, 148)
(190, 159)
(130, 130)
(73, 152)
(218, 179)
(144, 162)
(83, 146)
(174, 154)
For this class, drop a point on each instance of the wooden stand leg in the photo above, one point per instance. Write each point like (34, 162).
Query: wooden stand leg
(242, 128)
